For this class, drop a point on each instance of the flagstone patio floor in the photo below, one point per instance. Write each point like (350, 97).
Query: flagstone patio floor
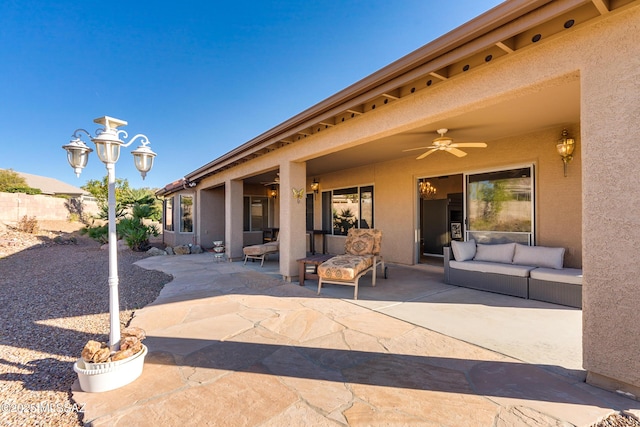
(234, 345)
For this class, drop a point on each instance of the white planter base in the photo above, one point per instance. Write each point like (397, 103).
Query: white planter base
(112, 375)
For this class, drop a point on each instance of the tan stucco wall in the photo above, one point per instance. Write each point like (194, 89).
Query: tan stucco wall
(14, 206)
(611, 202)
(211, 225)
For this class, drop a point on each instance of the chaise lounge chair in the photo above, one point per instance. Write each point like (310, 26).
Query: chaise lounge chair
(261, 251)
(362, 254)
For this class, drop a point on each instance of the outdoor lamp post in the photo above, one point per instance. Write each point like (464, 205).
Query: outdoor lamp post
(108, 145)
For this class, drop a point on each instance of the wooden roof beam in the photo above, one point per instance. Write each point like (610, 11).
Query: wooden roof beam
(356, 110)
(438, 75)
(603, 6)
(504, 45)
(328, 122)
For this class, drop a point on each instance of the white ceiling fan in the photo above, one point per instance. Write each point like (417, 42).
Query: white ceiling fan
(444, 143)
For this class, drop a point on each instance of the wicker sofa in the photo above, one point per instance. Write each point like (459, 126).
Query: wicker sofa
(534, 272)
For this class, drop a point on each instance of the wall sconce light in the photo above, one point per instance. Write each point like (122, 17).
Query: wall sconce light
(315, 186)
(273, 192)
(427, 191)
(565, 148)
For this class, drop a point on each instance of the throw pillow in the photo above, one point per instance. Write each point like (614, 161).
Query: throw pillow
(463, 251)
(502, 252)
(539, 256)
(359, 243)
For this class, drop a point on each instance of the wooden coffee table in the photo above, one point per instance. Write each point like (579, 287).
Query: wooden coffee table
(314, 260)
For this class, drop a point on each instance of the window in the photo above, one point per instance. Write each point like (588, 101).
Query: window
(168, 214)
(500, 206)
(348, 208)
(256, 213)
(309, 213)
(186, 214)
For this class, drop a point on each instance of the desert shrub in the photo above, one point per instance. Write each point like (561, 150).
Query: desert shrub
(28, 225)
(99, 233)
(135, 233)
(25, 190)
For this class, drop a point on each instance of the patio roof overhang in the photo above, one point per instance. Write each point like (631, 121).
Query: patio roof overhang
(503, 30)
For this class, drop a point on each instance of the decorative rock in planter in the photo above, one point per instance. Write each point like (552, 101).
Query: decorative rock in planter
(99, 370)
(99, 377)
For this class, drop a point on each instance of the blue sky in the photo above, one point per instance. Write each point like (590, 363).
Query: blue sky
(197, 77)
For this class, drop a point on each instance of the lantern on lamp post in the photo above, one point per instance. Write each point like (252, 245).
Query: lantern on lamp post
(108, 144)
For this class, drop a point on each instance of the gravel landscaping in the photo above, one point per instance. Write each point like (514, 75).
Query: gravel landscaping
(54, 297)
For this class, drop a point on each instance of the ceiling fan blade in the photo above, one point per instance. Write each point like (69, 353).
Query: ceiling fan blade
(456, 152)
(418, 148)
(470, 144)
(426, 153)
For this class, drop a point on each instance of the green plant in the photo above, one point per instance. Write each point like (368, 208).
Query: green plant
(99, 233)
(13, 182)
(136, 233)
(132, 207)
(100, 190)
(25, 190)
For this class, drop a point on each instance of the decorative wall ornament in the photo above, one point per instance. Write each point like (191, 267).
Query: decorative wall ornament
(298, 194)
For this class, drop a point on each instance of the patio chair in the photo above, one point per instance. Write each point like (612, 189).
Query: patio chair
(261, 251)
(362, 254)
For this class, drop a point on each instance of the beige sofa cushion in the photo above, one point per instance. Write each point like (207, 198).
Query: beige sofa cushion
(502, 252)
(493, 267)
(463, 251)
(539, 256)
(566, 275)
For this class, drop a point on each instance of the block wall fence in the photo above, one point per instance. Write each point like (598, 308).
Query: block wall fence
(14, 206)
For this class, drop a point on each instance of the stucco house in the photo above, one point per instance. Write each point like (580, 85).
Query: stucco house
(514, 78)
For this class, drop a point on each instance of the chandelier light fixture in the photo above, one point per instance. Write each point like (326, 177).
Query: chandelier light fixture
(427, 191)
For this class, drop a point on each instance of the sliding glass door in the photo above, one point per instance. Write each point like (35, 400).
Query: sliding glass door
(500, 206)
